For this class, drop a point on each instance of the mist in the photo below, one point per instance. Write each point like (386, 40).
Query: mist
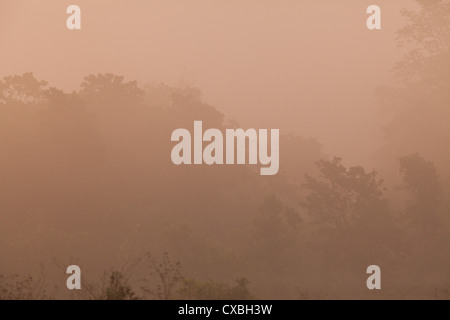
(86, 175)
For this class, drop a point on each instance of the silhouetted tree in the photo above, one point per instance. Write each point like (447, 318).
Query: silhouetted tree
(344, 198)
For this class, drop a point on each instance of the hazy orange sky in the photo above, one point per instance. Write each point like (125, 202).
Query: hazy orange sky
(305, 66)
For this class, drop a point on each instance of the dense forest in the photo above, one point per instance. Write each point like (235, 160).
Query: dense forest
(86, 178)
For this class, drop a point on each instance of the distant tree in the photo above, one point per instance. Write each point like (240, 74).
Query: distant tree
(22, 89)
(421, 97)
(275, 227)
(344, 198)
(274, 219)
(421, 180)
(355, 221)
(111, 91)
(427, 34)
(167, 275)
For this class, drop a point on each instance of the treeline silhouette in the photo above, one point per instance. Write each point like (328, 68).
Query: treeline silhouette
(88, 174)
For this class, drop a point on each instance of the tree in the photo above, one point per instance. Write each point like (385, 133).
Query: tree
(349, 210)
(118, 288)
(344, 198)
(421, 180)
(420, 99)
(111, 91)
(22, 89)
(428, 34)
(275, 227)
(168, 278)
